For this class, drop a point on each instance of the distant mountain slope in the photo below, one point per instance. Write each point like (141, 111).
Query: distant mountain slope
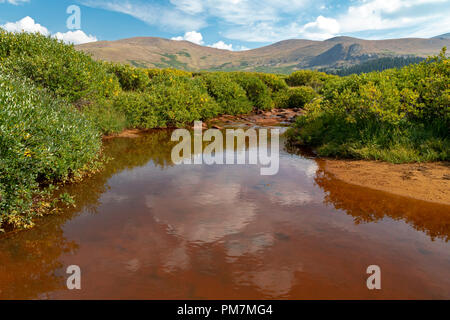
(443, 36)
(284, 56)
(379, 64)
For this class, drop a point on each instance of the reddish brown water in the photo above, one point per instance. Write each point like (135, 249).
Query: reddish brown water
(144, 229)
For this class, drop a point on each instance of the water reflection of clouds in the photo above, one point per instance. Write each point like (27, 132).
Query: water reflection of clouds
(225, 206)
(214, 210)
(113, 197)
(208, 214)
(273, 282)
(303, 166)
(177, 259)
(254, 245)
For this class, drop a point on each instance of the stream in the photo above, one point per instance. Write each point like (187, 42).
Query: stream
(145, 228)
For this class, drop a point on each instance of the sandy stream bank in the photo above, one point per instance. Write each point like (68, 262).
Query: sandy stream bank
(423, 181)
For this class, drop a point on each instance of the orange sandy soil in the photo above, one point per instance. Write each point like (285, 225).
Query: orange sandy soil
(423, 181)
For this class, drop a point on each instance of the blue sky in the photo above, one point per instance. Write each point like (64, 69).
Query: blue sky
(230, 24)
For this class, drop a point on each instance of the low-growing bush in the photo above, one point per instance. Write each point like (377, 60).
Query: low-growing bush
(395, 115)
(56, 66)
(105, 116)
(139, 109)
(229, 95)
(296, 97)
(130, 78)
(311, 78)
(171, 101)
(257, 92)
(272, 81)
(42, 140)
(168, 72)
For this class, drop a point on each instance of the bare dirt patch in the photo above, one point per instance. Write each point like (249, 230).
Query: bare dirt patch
(423, 181)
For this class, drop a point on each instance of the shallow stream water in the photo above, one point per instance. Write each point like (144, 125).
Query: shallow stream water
(147, 229)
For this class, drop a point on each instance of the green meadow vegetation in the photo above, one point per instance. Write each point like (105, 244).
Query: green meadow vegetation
(56, 103)
(398, 115)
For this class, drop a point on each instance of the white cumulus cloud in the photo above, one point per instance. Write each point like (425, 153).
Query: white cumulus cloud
(26, 24)
(321, 29)
(191, 36)
(75, 37)
(222, 45)
(197, 38)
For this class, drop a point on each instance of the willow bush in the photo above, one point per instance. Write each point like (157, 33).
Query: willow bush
(257, 91)
(57, 67)
(296, 97)
(229, 95)
(43, 140)
(395, 115)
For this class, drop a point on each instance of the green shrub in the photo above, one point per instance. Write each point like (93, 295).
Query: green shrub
(171, 101)
(257, 92)
(281, 99)
(229, 95)
(273, 82)
(130, 78)
(182, 100)
(314, 79)
(395, 115)
(294, 97)
(42, 140)
(139, 109)
(425, 88)
(168, 72)
(56, 66)
(106, 117)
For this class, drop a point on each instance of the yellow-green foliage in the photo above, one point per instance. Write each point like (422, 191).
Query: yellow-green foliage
(168, 72)
(56, 66)
(314, 79)
(170, 101)
(395, 115)
(272, 81)
(130, 78)
(229, 95)
(105, 116)
(177, 98)
(296, 97)
(42, 140)
(139, 110)
(257, 91)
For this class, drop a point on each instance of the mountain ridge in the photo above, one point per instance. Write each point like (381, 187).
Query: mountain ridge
(284, 56)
